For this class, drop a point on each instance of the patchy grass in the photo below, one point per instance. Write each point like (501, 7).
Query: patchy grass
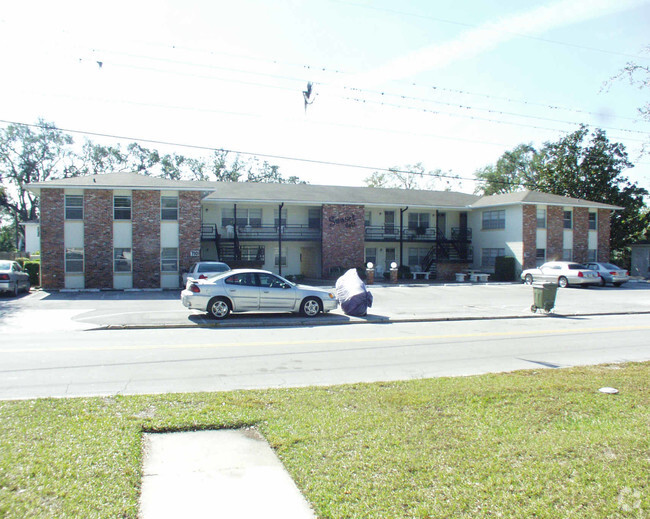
(525, 444)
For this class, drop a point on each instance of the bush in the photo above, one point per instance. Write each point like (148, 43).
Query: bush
(404, 272)
(33, 268)
(504, 268)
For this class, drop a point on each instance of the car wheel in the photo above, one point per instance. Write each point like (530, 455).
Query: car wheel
(528, 279)
(219, 308)
(310, 307)
(563, 282)
(617, 284)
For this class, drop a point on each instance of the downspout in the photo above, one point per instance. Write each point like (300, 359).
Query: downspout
(401, 235)
(280, 238)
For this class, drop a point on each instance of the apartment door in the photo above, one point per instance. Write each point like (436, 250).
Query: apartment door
(389, 222)
(309, 264)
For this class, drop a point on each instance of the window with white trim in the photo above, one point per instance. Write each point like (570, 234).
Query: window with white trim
(568, 219)
(540, 257)
(122, 260)
(74, 207)
(169, 259)
(541, 218)
(494, 219)
(74, 260)
(593, 221)
(121, 207)
(489, 256)
(169, 208)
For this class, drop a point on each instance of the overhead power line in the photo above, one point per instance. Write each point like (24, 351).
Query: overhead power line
(238, 152)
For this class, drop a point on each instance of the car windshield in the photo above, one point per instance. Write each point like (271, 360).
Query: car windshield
(5, 265)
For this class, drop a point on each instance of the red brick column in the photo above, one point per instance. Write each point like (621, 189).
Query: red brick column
(343, 237)
(554, 232)
(604, 230)
(52, 239)
(98, 238)
(580, 234)
(189, 225)
(529, 238)
(145, 218)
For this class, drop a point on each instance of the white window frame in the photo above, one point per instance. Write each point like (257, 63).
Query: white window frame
(169, 208)
(169, 259)
(74, 261)
(74, 208)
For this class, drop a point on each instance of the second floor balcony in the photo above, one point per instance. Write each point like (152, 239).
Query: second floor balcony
(420, 234)
(260, 233)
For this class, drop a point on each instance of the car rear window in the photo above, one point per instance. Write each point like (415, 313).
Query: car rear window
(576, 266)
(609, 266)
(212, 267)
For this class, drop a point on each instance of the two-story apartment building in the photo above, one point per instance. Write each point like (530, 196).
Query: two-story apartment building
(125, 230)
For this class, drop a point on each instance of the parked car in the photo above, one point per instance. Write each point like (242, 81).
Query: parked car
(205, 270)
(610, 273)
(564, 273)
(244, 290)
(12, 277)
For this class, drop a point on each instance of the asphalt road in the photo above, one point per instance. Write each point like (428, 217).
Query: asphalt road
(58, 344)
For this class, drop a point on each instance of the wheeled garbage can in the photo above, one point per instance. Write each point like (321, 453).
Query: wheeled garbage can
(543, 296)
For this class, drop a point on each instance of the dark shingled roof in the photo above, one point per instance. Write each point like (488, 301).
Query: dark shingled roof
(314, 194)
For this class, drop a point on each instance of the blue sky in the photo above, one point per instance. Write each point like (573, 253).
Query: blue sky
(449, 84)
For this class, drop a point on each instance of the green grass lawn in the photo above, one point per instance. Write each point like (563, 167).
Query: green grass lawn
(526, 444)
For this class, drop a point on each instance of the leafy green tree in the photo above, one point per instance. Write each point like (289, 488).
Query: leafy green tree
(31, 155)
(591, 167)
(579, 165)
(513, 170)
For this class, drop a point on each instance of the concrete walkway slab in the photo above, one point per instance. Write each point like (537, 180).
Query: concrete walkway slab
(227, 473)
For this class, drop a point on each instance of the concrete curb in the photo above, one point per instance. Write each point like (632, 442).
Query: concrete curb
(286, 323)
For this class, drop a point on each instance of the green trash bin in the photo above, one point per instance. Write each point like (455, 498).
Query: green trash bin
(543, 296)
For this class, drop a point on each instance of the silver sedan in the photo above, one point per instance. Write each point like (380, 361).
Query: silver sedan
(610, 273)
(12, 277)
(246, 290)
(564, 273)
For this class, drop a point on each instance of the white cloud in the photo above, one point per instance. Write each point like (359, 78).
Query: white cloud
(479, 40)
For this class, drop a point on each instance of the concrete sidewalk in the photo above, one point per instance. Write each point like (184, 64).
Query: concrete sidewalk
(226, 473)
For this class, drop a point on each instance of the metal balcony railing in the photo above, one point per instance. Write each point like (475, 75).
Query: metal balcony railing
(261, 233)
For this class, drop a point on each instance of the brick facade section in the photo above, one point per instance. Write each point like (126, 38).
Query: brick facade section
(189, 227)
(580, 234)
(98, 238)
(145, 217)
(554, 232)
(529, 235)
(52, 202)
(343, 237)
(604, 231)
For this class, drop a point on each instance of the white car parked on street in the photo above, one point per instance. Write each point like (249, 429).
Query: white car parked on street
(250, 290)
(564, 273)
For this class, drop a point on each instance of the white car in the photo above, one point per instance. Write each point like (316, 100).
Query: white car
(250, 290)
(564, 273)
(12, 278)
(205, 270)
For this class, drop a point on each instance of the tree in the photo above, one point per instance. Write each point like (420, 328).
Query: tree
(409, 177)
(513, 170)
(593, 169)
(31, 155)
(638, 76)
(579, 165)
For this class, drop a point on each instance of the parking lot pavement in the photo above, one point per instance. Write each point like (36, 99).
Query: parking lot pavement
(392, 303)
